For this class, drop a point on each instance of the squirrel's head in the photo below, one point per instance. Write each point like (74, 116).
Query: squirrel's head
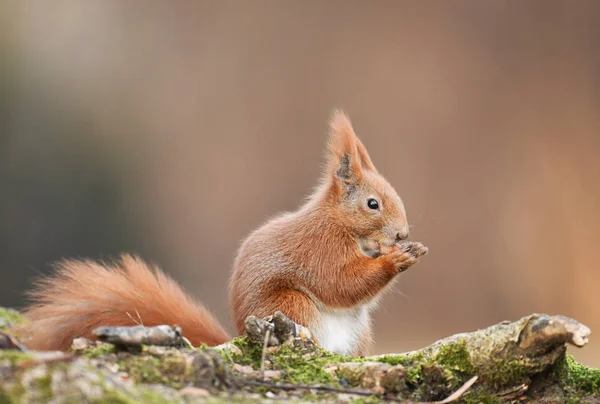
(367, 203)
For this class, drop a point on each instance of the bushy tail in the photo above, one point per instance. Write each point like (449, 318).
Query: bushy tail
(84, 295)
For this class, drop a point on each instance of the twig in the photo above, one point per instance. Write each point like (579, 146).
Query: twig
(14, 341)
(365, 393)
(458, 393)
(140, 317)
(264, 353)
(187, 342)
(135, 336)
(136, 322)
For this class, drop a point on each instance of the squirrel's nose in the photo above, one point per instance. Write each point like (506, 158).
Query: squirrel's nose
(403, 235)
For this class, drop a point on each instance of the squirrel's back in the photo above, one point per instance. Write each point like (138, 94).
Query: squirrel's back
(83, 295)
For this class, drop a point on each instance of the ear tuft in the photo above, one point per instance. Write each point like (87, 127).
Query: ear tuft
(343, 160)
(347, 155)
(339, 122)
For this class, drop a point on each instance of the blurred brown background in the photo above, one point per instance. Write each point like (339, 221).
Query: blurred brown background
(172, 129)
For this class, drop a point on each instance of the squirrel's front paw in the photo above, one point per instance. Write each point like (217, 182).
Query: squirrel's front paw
(405, 255)
(415, 248)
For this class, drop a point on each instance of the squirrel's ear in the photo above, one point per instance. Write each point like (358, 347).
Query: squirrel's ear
(365, 160)
(348, 157)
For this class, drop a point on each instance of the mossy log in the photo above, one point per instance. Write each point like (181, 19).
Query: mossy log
(523, 361)
(526, 359)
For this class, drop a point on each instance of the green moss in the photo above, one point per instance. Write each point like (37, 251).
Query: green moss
(169, 370)
(455, 358)
(412, 364)
(143, 369)
(240, 342)
(452, 360)
(153, 397)
(579, 378)
(302, 370)
(396, 360)
(504, 372)
(15, 357)
(296, 366)
(112, 397)
(17, 391)
(44, 387)
(146, 396)
(308, 368)
(251, 354)
(456, 361)
(5, 398)
(414, 374)
(99, 351)
(11, 316)
(336, 358)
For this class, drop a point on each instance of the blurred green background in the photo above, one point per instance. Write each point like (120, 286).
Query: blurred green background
(172, 129)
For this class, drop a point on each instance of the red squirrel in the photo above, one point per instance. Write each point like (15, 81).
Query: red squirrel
(325, 266)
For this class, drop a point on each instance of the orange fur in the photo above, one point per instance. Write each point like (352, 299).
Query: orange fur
(83, 295)
(333, 255)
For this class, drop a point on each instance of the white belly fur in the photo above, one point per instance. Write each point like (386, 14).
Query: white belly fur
(340, 330)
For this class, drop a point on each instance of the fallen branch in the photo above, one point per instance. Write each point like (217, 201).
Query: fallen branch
(264, 354)
(524, 360)
(528, 347)
(136, 336)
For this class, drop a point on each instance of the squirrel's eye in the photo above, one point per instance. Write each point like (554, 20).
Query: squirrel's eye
(372, 203)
